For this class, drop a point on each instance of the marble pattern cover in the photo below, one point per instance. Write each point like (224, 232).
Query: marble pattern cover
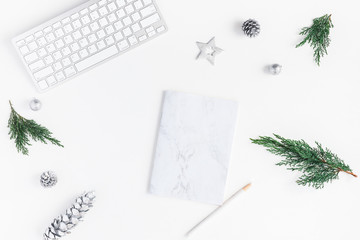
(193, 147)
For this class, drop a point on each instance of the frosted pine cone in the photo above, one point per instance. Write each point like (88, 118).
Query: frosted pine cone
(65, 222)
(48, 179)
(251, 28)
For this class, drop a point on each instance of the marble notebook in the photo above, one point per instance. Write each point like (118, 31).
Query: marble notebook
(193, 147)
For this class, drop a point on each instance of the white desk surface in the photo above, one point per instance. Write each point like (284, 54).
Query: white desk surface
(107, 119)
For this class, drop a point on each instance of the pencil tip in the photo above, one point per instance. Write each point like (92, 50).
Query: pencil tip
(247, 187)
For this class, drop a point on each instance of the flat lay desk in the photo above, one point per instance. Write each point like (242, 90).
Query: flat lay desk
(108, 118)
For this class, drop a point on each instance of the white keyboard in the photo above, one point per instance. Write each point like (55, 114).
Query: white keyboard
(85, 36)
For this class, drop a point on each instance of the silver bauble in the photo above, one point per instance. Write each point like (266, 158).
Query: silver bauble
(35, 104)
(275, 69)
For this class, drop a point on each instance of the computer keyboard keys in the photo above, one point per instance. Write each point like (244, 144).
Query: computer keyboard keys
(37, 65)
(109, 29)
(48, 59)
(129, 9)
(68, 39)
(112, 17)
(24, 50)
(59, 76)
(127, 32)
(103, 22)
(148, 10)
(77, 35)
(96, 58)
(160, 29)
(43, 85)
(32, 46)
(50, 48)
(103, 11)
(118, 25)
(100, 33)
(85, 20)
(75, 57)
(57, 55)
(51, 80)
(70, 71)
(83, 53)
(59, 33)
(92, 49)
(31, 57)
(112, 7)
(57, 66)
(74, 47)
(59, 43)
(147, 2)
(132, 40)
(109, 40)
(66, 62)
(118, 36)
(121, 13)
(123, 45)
(76, 24)
(92, 38)
(127, 21)
(120, 3)
(101, 44)
(94, 15)
(41, 52)
(150, 20)
(43, 73)
(68, 28)
(135, 27)
(138, 4)
(142, 38)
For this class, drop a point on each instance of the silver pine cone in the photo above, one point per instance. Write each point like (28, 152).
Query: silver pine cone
(65, 222)
(48, 179)
(251, 28)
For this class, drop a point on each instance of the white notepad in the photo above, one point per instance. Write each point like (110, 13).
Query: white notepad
(193, 147)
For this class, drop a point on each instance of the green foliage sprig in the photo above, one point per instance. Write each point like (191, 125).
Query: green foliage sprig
(317, 164)
(21, 129)
(318, 36)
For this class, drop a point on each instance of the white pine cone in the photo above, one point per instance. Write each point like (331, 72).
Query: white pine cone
(48, 179)
(65, 222)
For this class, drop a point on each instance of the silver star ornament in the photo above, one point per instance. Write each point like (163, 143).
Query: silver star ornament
(208, 50)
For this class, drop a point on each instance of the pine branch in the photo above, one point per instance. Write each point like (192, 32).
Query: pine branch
(318, 165)
(318, 36)
(21, 129)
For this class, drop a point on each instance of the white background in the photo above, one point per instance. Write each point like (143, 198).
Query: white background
(107, 119)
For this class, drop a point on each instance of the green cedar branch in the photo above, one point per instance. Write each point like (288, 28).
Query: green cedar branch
(318, 36)
(21, 129)
(318, 165)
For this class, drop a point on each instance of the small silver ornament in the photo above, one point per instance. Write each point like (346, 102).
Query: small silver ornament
(35, 104)
(275, 69)
(48, 179)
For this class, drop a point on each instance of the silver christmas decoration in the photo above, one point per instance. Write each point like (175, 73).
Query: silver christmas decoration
(65, 222)
(48, 179)
(208, 50)
(251, 28)
(275, 69)
(35, 104)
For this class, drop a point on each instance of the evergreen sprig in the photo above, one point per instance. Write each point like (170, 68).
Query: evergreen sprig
(318, 36)
(317, 164)
(21, 129)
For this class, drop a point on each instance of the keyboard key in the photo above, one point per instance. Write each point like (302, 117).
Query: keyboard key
(93, 7)
(127, 32)
(152, 33)
(109, 29)
(103, 22)
(118, 36)
(94, 15)
(147, 2)
(75, 57)
(109, 40)
(103, 11)
(29, 38)
(43, 73)
(83, 42)
(59, 33)
(120, 3)
(24, 50)
(20, 43)
(50, 48)
(41, 41)
(38, 34)
(118, 25)
(48, 59)
(92, 38)
(85, 30)
(76, 24)
(77, 35)
(96, 58)
(83, 53)
(127, 21)
(138, 4)
(32, 46)
(150, 29)
(69, 71)
(101, 33)
(92, 49)
(85, 20)
(148, 10)
(129, 9)
(132, 40)
(112, 18)
(112, 7)
(37, 65)
(42, 52)
(135, 16)
(160, 29)
(75, 16)
(66, 62)
(31, 57)
(150, 20)
(59, 43)
(123, 45)
(51, 80)
(57, 25)
(121, 13)
(101, 44)
(74, 47)
(68, 28)
(66, 51)
(43, 85)
(59, 76)
(135, 27)
(47, 29)
(50, 37)
(57, 66)
(68, 39)
(57, 55)
(142, 38)
(102, 2)
(84, 11)
(94, 26)
(65, 20)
